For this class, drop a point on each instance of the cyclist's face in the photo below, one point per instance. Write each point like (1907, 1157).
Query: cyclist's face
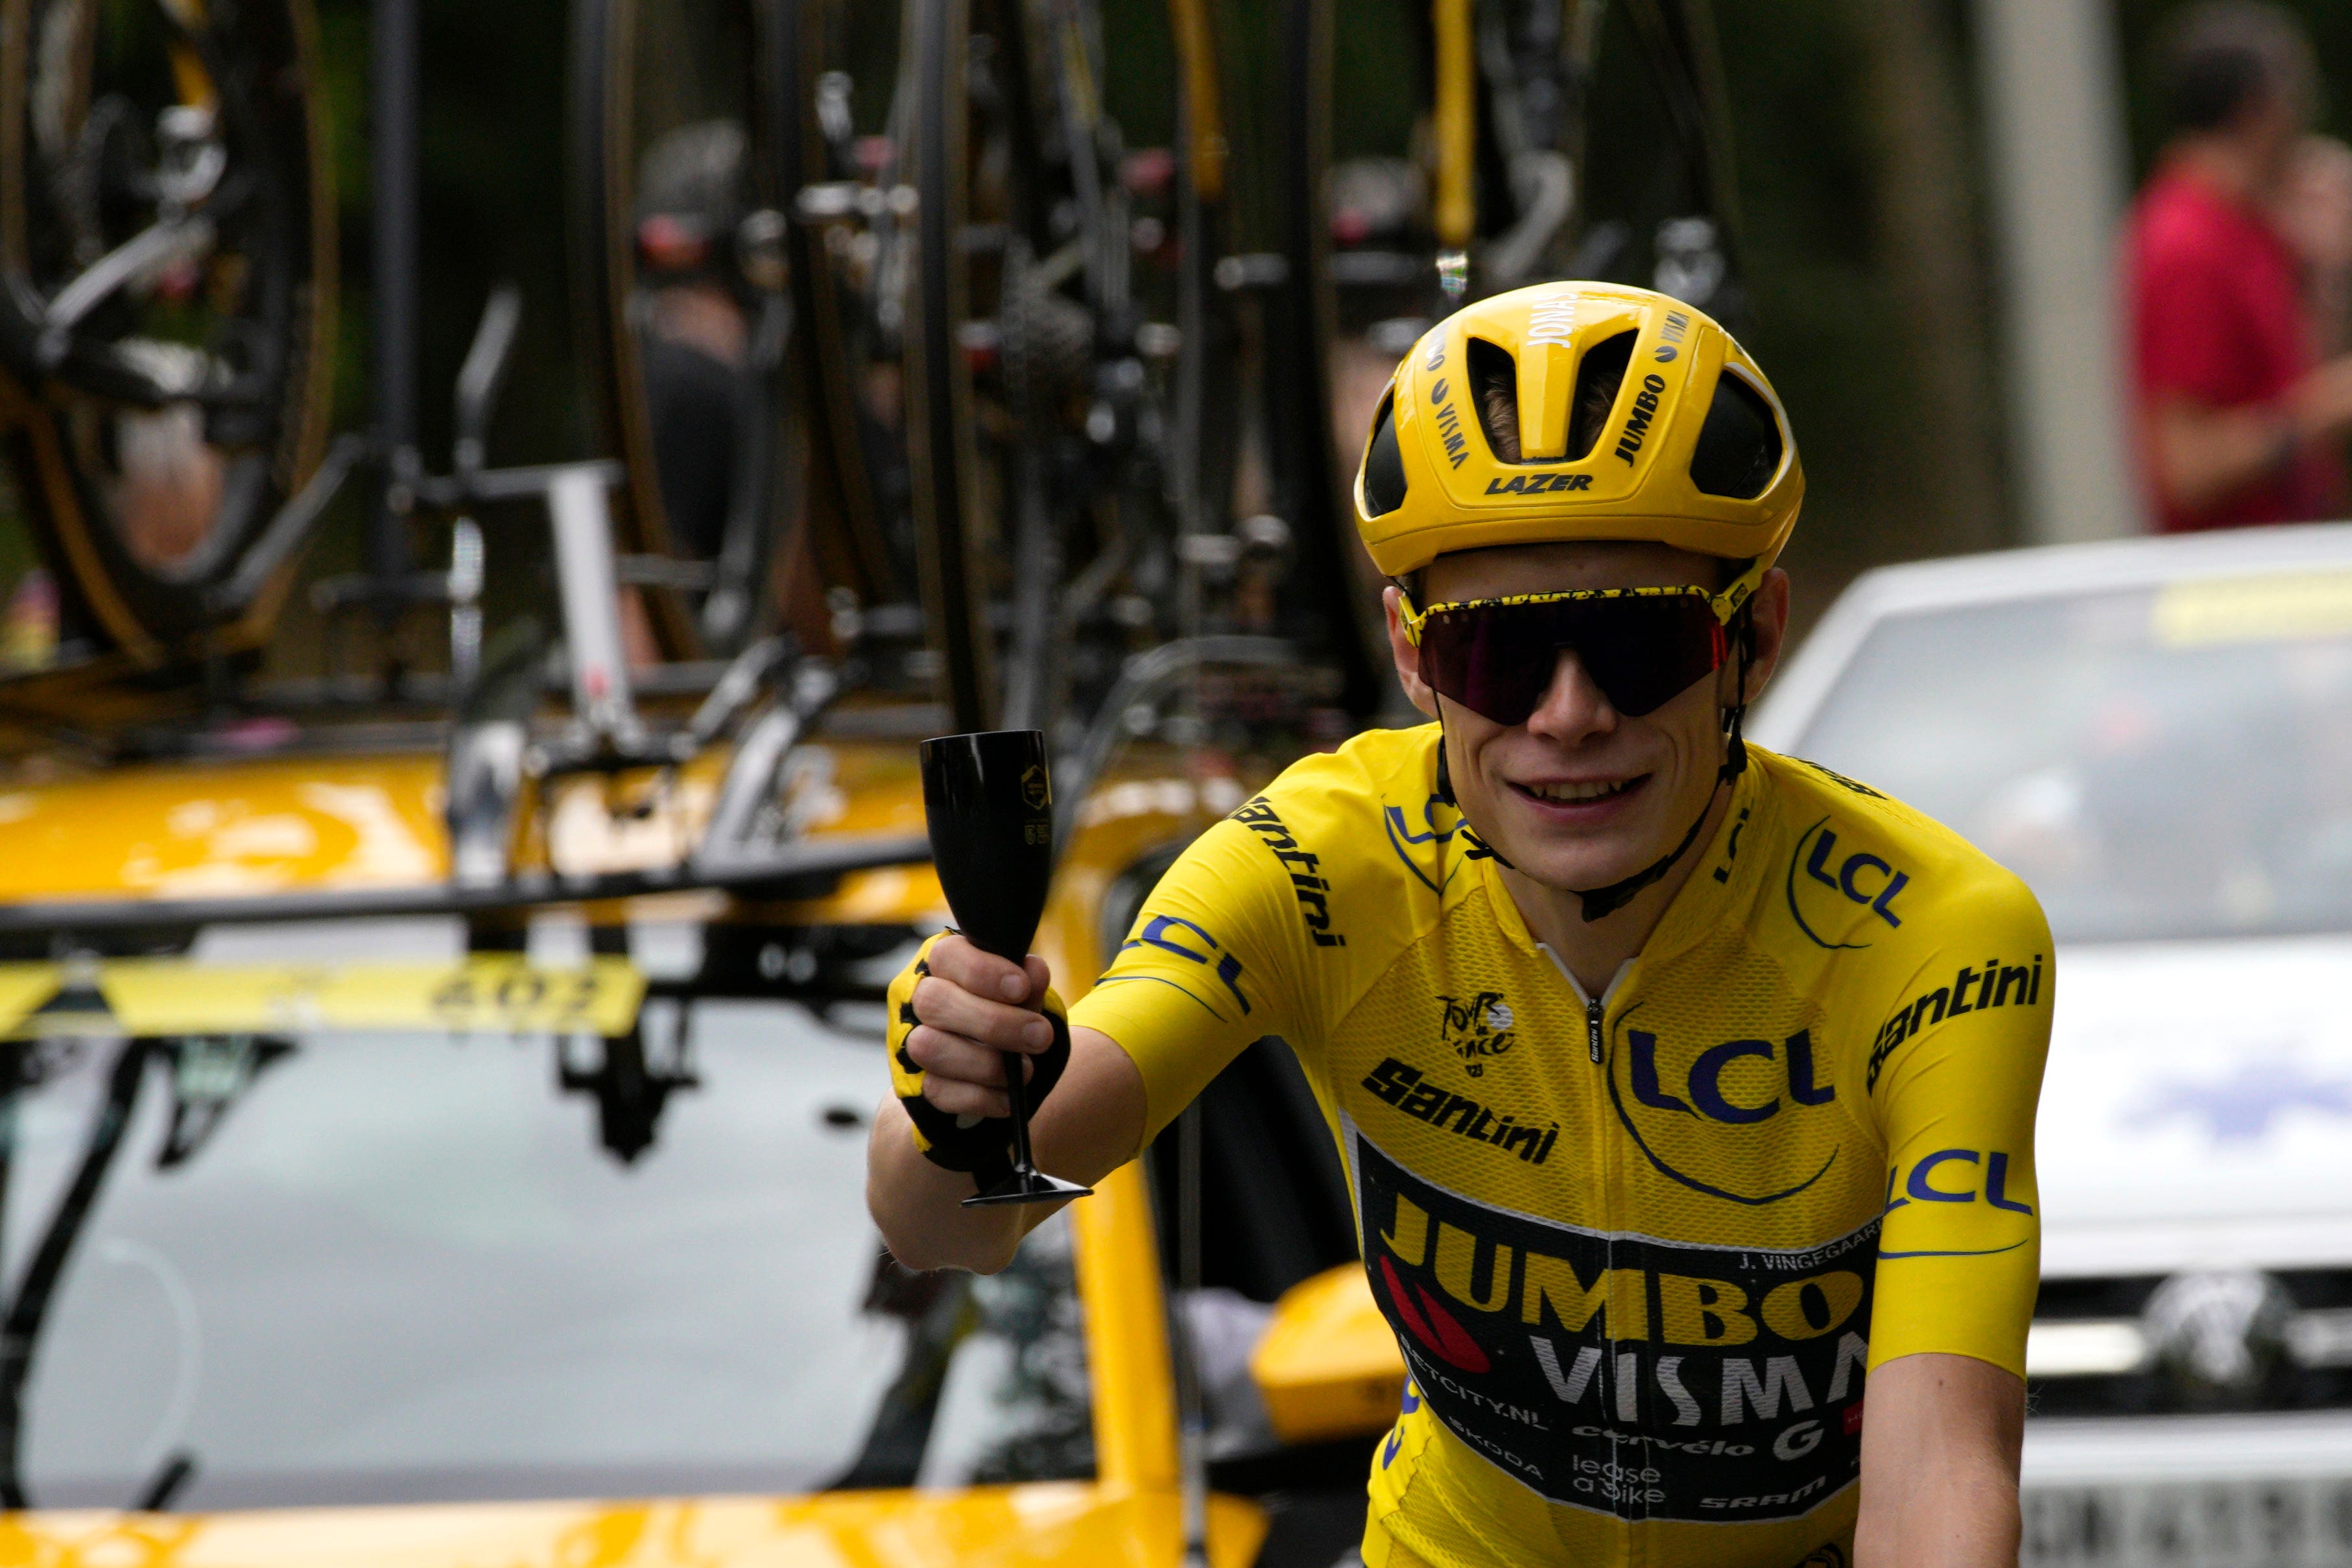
(1581, 795)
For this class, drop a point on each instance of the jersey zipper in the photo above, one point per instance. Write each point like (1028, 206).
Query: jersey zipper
(1607, 1156)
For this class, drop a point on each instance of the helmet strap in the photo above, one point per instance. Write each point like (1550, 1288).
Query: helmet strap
(1479, 849)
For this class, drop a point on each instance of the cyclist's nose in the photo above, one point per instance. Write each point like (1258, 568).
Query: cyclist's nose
(1573, 706)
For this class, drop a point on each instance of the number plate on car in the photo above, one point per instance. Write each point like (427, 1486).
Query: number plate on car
(2303, 1522)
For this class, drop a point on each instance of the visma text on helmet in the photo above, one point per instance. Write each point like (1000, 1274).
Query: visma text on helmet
(1449, 423)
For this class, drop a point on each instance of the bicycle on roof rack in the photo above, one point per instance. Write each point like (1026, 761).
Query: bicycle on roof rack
(167, 284)
(164, 216)
(1130, 385)
(167, 300)
(1512, 167)
(1026, 372)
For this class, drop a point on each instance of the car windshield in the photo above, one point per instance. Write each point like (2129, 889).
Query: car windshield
(2172, 762)
(354, 1264)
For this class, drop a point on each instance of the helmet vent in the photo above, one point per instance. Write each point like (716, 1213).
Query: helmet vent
(1494, 392)
(1597, 381)
(1383, 464)
(1739, 446)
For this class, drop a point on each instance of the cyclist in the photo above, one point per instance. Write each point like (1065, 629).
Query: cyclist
(1681, 1087)
(694, 339)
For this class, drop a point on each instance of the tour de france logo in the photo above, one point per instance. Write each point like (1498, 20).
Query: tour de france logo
(1475, 1028)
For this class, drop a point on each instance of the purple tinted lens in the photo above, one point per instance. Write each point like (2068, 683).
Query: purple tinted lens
(1499, 660)
(1495, 663)
(1643, 653)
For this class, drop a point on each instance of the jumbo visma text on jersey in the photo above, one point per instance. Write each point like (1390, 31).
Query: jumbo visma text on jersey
(1649, 1378)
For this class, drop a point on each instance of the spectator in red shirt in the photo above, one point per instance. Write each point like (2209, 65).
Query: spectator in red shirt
(2231, 269)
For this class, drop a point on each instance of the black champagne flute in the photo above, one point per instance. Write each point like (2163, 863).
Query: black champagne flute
(988, 801)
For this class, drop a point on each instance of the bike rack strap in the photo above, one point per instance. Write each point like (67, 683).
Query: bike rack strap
(827, 856)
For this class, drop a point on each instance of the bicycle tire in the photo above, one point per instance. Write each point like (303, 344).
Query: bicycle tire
(953, 518)
(69, 415)
(1205, 450)
(847, 537)
(1312, 475)
(611, 126)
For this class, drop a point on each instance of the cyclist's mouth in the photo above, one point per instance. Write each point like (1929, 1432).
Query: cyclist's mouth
(1578, 800)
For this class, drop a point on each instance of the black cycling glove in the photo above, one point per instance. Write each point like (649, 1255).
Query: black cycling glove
(982, 1145)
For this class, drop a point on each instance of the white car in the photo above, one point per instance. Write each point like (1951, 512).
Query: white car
(2156, 735)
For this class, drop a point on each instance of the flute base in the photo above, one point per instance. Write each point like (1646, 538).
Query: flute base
(1027, 1187)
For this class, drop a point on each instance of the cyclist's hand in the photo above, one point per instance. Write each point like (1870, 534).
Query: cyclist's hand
(954, 1011)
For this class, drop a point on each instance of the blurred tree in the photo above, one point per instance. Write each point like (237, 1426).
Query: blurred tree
(1860, 183)
(1930, 244)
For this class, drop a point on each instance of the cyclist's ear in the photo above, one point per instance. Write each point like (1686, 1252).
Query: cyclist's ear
(1768, 611)
(1406, 655)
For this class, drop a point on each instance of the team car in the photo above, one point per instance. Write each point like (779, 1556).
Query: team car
(351, 1213)
(2156, 735)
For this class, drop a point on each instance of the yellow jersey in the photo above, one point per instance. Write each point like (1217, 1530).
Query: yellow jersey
(1640, 1249)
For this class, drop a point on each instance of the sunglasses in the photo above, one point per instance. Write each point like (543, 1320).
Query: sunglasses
(1641, 645)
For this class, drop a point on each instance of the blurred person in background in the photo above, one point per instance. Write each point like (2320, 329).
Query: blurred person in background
(2239, 258)
(693, 341)
(693, 334)
(2315, 213)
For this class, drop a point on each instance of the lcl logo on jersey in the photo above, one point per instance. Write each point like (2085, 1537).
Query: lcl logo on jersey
(1174, 935)
(1827, 883)
(1703, 1080)
(1665, 1092)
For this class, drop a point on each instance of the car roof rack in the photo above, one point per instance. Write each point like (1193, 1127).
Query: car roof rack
(797, 870)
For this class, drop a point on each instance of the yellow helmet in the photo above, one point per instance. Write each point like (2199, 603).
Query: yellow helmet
(1493, 433)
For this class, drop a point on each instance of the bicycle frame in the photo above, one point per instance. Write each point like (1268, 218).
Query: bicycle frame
(1455, 123)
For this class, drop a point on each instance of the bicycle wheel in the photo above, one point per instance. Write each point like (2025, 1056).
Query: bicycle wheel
(844, 243)
(1056, 401)
(680, 151)
(167, 287)
(1312, 475)
(976, 177)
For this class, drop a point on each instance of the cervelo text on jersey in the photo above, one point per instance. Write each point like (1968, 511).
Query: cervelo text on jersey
(1734, 1375)
(1639, 1250)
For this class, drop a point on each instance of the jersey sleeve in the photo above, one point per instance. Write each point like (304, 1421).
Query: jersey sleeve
(1204, 970)
(1954, 1075)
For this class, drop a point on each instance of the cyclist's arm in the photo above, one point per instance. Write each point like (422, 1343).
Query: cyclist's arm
(1959, 1252)
(1197, 981)
(1089, 1126)
(1939, 1464)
